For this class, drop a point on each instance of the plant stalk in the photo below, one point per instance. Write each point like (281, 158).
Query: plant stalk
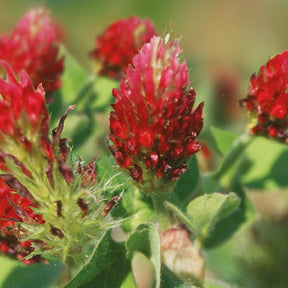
(163, 214)
(233, 155)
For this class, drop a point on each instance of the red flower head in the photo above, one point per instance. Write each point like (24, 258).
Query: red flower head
(40, 193)
(118, 44)
(153, 125)
(32, 47)
(24, 115)
(267, 99)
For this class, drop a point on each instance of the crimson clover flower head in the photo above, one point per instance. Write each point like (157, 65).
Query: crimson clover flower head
(51, 204)
(32, 46)
(118, 44)
(267, 99)
(24, 115)
(153, 126)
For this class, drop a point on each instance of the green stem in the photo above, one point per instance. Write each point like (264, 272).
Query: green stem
(233, 155)
(163, 214)
(85, 90)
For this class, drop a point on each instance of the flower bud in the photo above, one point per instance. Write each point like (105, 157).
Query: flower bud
(118, 44)
(180, 255)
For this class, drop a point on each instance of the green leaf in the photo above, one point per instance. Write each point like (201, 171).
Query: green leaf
(145, 239)
(205, 211)
(183, 218)
(95, 94)
(226, 226)
(78, 127)
(105, 259)
(232, 157)
(103, 92)
(267, 166)
(209, 185)
(171, 280)
(186, 184)
(15, 274)
(224, 139)
(117, 275)
(56, 109)
(72, 79)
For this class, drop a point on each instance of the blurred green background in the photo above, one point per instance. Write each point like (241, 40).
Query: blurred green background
(239, 34)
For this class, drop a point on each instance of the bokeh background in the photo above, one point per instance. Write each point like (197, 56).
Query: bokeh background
(224, 43)
(235, 34)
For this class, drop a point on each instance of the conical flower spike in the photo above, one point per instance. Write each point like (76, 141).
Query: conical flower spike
(153, 126)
